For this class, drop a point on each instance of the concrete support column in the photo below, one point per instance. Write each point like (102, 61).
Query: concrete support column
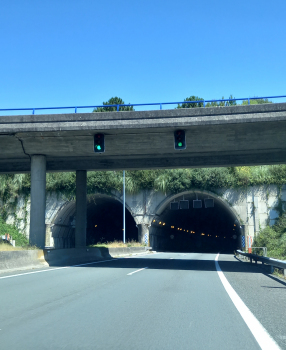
(38, 201)
(80, 223)
(143, 233)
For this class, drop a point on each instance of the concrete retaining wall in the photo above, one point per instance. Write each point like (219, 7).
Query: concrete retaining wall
(25, 259)
(22, 259)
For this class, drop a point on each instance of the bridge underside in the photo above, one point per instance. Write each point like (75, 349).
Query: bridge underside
(222, 136)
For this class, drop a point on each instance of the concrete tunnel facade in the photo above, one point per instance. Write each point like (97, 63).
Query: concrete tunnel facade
(203, 229)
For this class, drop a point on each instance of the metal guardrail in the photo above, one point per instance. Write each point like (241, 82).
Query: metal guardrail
(281, 264)
(227, 102)
(263, 248)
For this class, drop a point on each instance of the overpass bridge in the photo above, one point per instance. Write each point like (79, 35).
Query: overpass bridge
(220, 136)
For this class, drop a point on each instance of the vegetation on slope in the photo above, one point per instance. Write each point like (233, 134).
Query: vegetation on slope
(21, 240)
(170, 180)
(274, 238)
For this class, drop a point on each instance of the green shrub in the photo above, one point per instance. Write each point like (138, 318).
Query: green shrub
(274, 238)
(20, 238)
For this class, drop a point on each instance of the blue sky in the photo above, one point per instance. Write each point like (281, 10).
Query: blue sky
(82, 52)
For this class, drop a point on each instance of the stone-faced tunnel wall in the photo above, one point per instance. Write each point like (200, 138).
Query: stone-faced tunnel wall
(255, 207)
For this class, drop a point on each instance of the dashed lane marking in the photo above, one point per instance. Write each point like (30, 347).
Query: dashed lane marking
(131, 273)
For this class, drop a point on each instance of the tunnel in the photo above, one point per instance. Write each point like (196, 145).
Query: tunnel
(195, 222)
(104, 222)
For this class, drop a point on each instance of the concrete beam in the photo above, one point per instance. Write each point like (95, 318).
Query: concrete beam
(81, 205)
(38, 201)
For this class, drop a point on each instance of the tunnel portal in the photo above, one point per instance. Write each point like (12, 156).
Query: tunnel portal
(203, 229)
(104, 223)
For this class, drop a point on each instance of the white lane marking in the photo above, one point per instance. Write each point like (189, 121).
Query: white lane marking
(131, 273)
(57, 268)
(261, 335)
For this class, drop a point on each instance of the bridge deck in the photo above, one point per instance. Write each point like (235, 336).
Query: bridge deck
(221, 136)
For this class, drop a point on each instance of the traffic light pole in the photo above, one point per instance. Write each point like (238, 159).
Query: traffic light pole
(124, 206)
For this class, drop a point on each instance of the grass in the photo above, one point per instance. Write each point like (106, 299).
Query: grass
(5, 247)
(279, 273)
(118, 244)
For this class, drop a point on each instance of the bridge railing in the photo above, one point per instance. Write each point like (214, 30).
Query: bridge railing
(281, 264)
(227, 102)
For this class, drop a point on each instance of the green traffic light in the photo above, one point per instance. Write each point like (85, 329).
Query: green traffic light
(180, 144)
(98, 147)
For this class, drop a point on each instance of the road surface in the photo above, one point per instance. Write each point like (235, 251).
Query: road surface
(154, 301)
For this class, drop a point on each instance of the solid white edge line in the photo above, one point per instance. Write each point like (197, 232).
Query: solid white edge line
(263, 338)
(57, 268)
(131, 273)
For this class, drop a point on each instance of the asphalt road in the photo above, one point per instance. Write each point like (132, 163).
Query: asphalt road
(176, 301)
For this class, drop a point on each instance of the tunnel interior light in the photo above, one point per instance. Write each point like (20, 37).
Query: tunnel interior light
(202, 234)
(164, 224)
(181, 229)
(187, 230)
(154, 220)
(234, 225)
(95, 225)
(160, 223)
(172, 226)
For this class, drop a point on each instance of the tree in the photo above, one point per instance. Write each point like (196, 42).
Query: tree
(222, 103)
(194, 104)
(257, 101)
(114, 101)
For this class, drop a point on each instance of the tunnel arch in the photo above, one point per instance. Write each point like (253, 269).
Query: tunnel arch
(104, 221)
(194, 229)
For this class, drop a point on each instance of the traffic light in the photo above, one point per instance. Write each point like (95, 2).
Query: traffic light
(99, 143)
(180, 139)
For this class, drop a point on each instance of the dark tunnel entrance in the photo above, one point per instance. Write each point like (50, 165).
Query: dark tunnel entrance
(195, 229)
(104, 223)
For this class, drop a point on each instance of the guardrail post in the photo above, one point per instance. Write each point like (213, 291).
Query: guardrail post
(75, 109)
(160, 105)
(271, 269)
(285, 273)
(33, 110)
(117, 108)
(248, 101)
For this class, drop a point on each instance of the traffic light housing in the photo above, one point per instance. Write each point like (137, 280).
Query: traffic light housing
(180, 139)
(99, 143)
